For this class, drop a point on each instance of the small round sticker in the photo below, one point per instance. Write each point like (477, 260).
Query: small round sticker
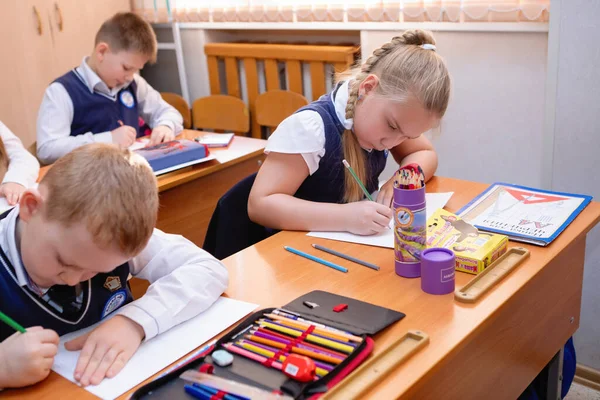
(127, 99)
(115, 301)
(404, 217)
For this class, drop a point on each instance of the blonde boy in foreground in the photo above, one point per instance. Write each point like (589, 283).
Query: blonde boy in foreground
(65, 254)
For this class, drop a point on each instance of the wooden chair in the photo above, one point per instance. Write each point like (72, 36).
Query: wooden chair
(274, 106)
(221, 113)
(181, 105)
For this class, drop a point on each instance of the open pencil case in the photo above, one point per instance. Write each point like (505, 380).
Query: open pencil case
(333, 331)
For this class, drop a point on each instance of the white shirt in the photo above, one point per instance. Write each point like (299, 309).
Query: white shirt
(185, 280)
(56, 114)
(304, 132)
(23, 168)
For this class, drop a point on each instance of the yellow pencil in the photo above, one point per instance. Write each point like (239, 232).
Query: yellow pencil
(304, 325)
(294, 349)
(312, 338)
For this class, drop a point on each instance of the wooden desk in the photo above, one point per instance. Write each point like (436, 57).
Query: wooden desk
(490, 350)
(188, 196)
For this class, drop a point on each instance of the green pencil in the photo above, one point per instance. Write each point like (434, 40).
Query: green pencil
(364, 189)
(10, 322)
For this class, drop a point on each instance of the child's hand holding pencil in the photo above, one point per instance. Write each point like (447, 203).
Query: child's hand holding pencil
(26, 358)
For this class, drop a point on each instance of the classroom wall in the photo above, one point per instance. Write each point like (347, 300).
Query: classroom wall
(493, 129)
(576, 138)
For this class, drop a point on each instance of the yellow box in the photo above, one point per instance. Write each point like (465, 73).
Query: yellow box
(474, 249)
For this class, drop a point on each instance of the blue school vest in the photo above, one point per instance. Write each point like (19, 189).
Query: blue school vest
(327, 183)
(97, 112)
(102, 295)
(231, 230)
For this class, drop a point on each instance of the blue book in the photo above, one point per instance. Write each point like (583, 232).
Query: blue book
(169, 156)
(523, 214)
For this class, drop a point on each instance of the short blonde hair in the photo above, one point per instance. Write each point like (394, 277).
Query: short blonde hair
(112, 191)
(405, 69)
(128, 32)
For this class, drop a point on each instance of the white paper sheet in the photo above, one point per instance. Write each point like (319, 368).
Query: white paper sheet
(139, 143)
(160, 351)
(434, 201)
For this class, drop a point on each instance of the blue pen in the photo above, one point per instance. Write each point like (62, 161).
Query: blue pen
(197, 393)
(214, 391)
(315, 259)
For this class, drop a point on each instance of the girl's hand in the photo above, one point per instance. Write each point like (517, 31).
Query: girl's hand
(367, 217)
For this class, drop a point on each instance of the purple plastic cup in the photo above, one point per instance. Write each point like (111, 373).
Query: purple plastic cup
(437, 271)
(410, 223)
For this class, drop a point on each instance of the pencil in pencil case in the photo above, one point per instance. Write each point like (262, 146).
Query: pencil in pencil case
(360, 319)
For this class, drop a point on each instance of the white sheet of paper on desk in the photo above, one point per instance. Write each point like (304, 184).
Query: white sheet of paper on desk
(434, 201)
(139, 143)
(160, 351)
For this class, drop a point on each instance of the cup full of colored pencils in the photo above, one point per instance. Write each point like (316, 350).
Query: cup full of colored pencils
(410, 220)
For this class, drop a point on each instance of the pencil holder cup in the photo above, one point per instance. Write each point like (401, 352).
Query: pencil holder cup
(437, 271)
(410, 225)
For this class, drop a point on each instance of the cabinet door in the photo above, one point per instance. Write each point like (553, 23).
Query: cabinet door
(75, 23)
(26, 65)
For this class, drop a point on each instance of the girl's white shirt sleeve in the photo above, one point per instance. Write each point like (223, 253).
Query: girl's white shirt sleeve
(304, 132)
(23, 167)
(301, 133)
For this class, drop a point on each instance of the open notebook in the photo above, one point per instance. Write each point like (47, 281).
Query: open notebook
(434, 201)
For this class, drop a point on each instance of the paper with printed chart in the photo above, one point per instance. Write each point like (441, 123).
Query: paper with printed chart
(160, 351)
(434, 201)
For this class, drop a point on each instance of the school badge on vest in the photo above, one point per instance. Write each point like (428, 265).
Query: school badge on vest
(115, 301)
(112, 283)
(127, 99)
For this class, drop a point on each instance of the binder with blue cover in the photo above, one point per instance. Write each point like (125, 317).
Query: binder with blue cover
(169, 156)
(522, 213)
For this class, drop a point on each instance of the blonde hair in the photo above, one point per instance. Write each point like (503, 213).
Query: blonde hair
(112, 191)
(128, 32)
(405, 70)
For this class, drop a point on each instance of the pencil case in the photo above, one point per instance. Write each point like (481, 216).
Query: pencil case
(328, 314)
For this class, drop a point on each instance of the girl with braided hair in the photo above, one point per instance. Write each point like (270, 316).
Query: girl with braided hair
(386, 104)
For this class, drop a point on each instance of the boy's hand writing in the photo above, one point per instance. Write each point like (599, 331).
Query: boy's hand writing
(106, 349)
(161, 134)
(367, 217)
(26, 358)
(12, 191)
(124, 136)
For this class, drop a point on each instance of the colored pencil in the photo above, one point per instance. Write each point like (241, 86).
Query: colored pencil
(301, 330)
(214, 391)
(291, 315)
(346, 257)
(11, 322)
(268, 353)
(364, 189)
(326, 367)
(303, 326)
(294, 349)
(315, 259)
(272, 335)
(312, 338)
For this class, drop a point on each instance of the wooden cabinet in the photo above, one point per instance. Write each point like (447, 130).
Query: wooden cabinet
(41, 40)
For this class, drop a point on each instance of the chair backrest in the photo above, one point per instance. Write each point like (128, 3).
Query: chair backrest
(274, 106)
(221, 112)
(263, 67)
(181, 105)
